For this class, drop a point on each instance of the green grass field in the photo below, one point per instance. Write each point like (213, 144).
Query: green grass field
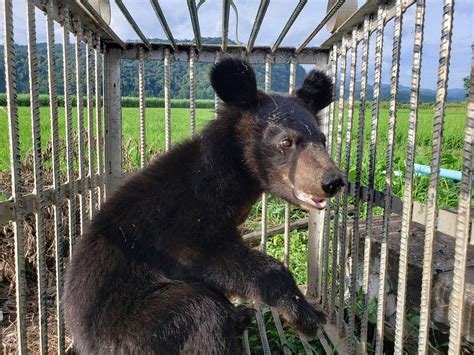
(451, 154)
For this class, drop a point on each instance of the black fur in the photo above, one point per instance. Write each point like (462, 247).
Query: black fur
(316, 91)
(155, 269)
(234, 82)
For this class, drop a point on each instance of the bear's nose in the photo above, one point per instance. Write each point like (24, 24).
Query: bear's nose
(332, 183)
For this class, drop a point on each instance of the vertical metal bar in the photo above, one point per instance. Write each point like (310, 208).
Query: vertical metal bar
(13, 132)
(432, 203)
(456, 305)
(98, 121)
(112, 118)
(327, 212)
(314, 260)
(360, 148)
(54, 118)
(38, 174)
(286, 252)
(192, 92)
(346, 192)
(245, 342)
(410, 160)
(337, 199)
(314, 272)
(381, 14)
(167, 83)
(268, 72)
(90, 122)
(216, 98)
(69, 133)
(80, 126)
(225, 23)
(141, 94)
(268, 85)
(264, 222)
(395, 73)
(262, 331)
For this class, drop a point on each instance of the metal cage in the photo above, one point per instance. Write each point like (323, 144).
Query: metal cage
(337, 236)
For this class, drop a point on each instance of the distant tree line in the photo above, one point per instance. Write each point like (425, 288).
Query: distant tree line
(129, 71)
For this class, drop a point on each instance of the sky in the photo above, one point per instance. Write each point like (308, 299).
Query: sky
(210, 14)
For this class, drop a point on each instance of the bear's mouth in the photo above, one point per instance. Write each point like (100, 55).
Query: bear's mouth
(310, 200)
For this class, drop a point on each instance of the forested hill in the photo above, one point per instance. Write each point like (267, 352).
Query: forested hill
(153, 74)
(180, 77)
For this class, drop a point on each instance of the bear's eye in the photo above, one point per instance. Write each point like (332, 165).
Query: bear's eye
(286, 143)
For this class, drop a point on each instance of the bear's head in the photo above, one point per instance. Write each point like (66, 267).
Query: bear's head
(282, 142)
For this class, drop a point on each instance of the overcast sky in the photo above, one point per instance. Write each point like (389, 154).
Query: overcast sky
(210, 14)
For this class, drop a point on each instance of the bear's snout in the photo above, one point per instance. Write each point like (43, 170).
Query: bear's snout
(332, 182)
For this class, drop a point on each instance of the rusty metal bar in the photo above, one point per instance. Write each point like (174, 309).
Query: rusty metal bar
(192, 91)
(345, 191)
(164, 24)
(38, 167)
(225, 23)
(299, 7)
(69, 132)
(381, 17)
(141, 96)
(410, 160)
(360, 147)
(263, 332)
(90, 121)
(132, 23)
(193, 13)
(395, 75)
(268, 86)
(457, 301)
(331, 12)
(245, 343)
(99, 122)
(281, 332)
(80, 123)
(167, 90)
(58, 229)
(264, 222)
(257, 23)
(15, 163)
(432, 203)
(327, 212)
(337, 199)
(312, 56)
(286, 252)
(217, 102)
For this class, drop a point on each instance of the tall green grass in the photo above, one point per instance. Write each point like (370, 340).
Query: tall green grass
(24, 100)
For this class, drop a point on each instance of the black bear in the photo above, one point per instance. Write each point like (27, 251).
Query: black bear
(154, 271)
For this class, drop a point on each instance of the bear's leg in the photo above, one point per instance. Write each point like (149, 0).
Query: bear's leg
(174, 318)
(235, 269)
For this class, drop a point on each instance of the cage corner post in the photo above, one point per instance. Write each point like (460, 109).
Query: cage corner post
(316, 218)
(112, 117)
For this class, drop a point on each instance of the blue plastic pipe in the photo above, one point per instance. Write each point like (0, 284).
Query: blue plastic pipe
(444, 173)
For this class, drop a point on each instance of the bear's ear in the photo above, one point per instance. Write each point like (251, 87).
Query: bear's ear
(234, 81)
(316, 91)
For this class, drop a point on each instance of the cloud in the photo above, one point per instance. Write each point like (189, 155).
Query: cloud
(210, 15)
